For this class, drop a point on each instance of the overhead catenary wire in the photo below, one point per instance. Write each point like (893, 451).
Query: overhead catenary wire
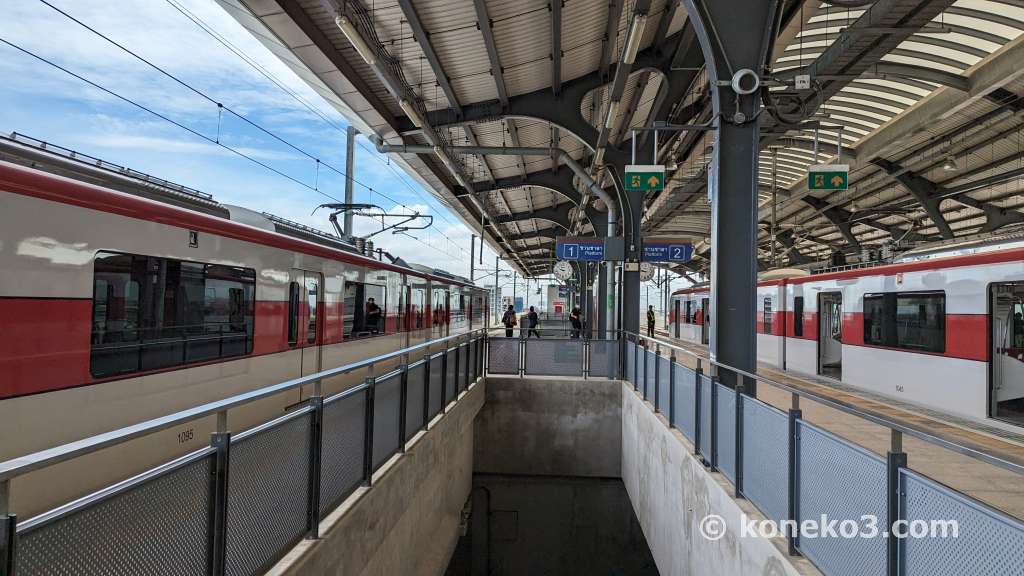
(221, 108)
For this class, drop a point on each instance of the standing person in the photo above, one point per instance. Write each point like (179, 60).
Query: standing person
(372, 316)
(577, 323)
(650, 321)
(532, 321)
(509, 320)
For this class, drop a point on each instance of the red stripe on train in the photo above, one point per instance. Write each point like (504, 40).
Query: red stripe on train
(44, 344)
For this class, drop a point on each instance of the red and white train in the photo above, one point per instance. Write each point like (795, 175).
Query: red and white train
(944, 332)
(117, 308)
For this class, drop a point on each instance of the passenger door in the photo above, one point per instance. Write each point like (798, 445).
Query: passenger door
(830, 335)
(307, 332)
(705, 326)
(1006, 382)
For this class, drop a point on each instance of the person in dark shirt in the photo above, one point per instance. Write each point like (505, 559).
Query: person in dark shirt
(577, 323)
(373, 315)
(650, 320)
(532, 321)
(509, 320)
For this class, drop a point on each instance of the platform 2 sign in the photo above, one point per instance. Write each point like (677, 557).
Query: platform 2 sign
(583, 249)
(655, 251)
(828, 177)
(644, 177)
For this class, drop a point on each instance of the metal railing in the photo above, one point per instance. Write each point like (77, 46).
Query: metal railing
(794, 471)
(237, 506)
(547, 351)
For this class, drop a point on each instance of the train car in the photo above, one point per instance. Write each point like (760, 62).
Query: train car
(117, 308)
(945, 332)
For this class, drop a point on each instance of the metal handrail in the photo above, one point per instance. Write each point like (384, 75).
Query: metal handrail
(44, 458)
(882, 420)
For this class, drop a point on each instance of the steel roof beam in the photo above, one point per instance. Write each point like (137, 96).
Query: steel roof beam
(558, 214)
(922, 189)
(555, 7)
(484, 23)
(611, 34)
(544, 234)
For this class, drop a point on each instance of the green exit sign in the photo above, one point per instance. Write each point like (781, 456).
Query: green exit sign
(645, 177)
(828, 177)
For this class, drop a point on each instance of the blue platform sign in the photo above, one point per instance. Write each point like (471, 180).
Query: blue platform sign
(585, 249)
(656, 251)
(519, 304)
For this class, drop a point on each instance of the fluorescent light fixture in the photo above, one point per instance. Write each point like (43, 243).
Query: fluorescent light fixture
(636, 34)
(599, 156)
(950, 164)
(411, 112)
(350, 32)
(613, 110)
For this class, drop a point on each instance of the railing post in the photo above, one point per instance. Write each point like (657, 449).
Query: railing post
(636, 365)
(368, 433)
(316, 427)
(426, 389)
(455, 372)
(657, 370)
(738, 467)
(403, 402)
(585, 348)
(714, 422)
(644, 355)
(896, 459)
(672, 389)
(8, 532)
(696, 410)
(444, 378)
(218, 514)
(794, 474)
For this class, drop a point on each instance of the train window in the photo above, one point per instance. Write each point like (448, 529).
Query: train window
(911, 321)
(767, 316)
(151, 313)
(798, 316)
(293, 313)
(689, 312)
(364, 310)
(439, 316)
(312, 295)
(419, 303)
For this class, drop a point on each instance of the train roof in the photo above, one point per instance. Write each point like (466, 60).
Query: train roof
(954, 261)
(46, 171)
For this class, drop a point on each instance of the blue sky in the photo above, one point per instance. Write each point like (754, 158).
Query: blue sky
(45, 103)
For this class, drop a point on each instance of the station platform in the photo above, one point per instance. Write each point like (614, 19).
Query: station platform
(990, 484)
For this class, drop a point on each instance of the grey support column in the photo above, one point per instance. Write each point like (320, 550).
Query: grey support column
(734, 35)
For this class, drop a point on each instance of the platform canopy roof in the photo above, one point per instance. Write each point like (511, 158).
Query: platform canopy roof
(923, 95)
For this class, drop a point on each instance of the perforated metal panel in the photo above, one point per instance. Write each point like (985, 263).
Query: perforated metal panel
(386, 411)
(503, 355)
(604, 358)
(550, 357)
(473, 351)
(450, 382)
(649, 381)
(267, 495)
(685, 392)
(341, 456)
(705, 416)
(156, 525)
(766, 458)
(844, 482)
(436, 399)
(986, 542)
(631, 363)
(463, 378)
(414, 401)
(664, 379)
(726, 421)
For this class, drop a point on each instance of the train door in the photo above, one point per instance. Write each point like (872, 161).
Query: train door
(1006, 381)
(306, 322)
(705, 325)
(830, 334)
(675, 317)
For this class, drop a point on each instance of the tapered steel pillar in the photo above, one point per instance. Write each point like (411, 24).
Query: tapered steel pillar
(735, 35)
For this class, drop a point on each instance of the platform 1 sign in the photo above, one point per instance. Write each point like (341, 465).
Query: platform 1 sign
(667, 251)
(585, 249)
(645, 177)
(828, 177)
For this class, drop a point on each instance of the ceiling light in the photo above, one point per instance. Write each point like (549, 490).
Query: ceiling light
(636, 34)
(411, 112)
(356, 39)
(613, 110)
(950, 164)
